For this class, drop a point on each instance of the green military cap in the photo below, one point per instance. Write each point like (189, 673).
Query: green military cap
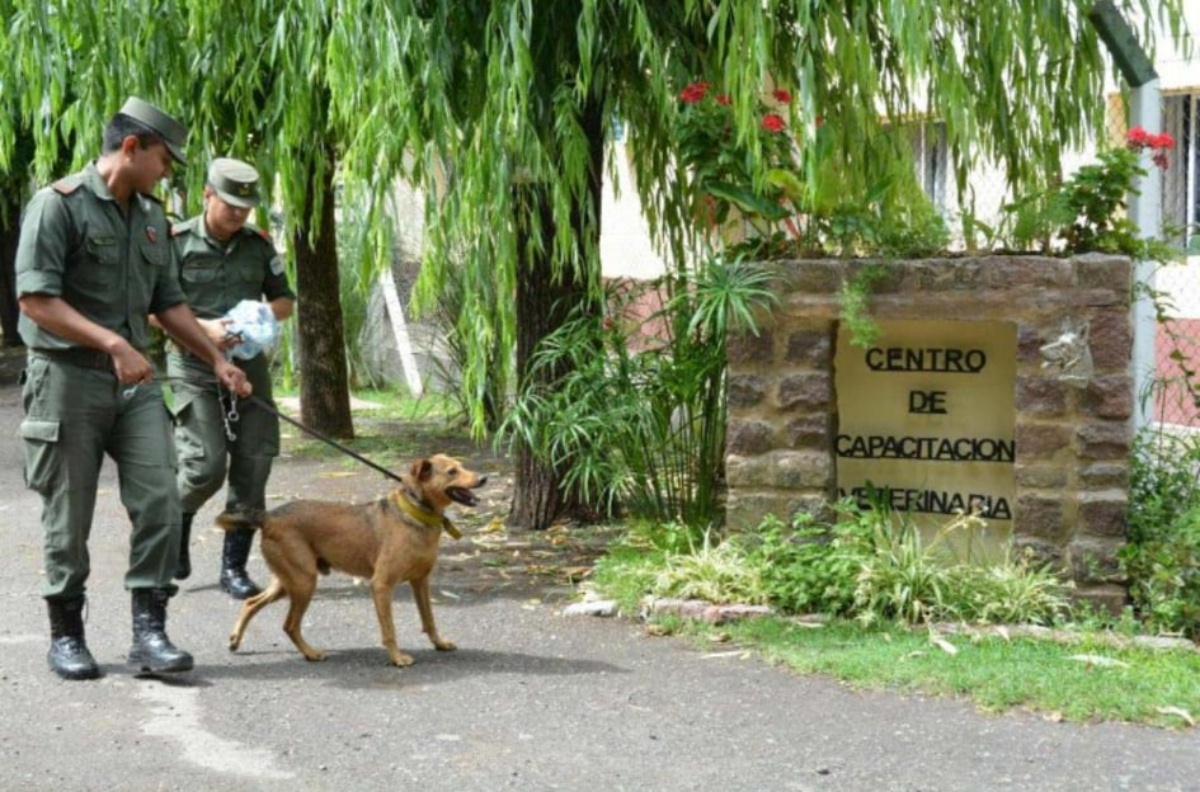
(173, 133)
(236, 182)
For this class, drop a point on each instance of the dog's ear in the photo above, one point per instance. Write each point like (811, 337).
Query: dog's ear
(422, 469)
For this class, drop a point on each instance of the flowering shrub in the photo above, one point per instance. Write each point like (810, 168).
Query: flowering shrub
(1086, 212)
(1139, 139)
(725, 173)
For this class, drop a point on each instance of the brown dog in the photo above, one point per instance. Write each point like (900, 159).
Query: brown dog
(388, 542)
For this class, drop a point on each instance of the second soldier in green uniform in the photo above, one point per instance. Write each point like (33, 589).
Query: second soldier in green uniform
(223, 261)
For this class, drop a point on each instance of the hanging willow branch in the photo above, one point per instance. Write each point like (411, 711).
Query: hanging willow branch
(475, 95)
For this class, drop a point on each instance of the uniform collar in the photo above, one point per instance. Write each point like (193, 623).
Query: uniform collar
(96, 185)
(201, 229)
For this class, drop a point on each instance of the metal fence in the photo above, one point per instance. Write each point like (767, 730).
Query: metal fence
(1177, 346)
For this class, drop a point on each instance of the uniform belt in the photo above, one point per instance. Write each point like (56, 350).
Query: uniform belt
(77, 356)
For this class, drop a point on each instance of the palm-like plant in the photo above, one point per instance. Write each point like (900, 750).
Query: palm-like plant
(639, 422)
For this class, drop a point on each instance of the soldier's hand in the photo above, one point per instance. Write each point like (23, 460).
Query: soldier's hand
(131, 366)
(233, 378)
(217, 331)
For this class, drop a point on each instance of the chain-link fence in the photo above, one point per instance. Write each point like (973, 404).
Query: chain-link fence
(1177, 347)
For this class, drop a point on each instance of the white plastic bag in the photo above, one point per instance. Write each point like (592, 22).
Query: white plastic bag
(254, 323)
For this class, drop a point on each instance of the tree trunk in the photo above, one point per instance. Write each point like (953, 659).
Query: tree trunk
(13, 193)
(10, 234)
(543, 304)
(320, 333)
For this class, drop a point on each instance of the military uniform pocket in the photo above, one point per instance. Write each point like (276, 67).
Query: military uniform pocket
(98, 266)
(155, 254)
(204, 287)
(41, 453)
(103, 249)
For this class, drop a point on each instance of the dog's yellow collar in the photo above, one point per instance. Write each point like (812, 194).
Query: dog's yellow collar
(424, 516)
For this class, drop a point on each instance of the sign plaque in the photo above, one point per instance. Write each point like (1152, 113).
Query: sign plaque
(926, 418)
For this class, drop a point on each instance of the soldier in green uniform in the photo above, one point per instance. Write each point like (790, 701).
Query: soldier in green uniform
(93, 260)
(223, 261)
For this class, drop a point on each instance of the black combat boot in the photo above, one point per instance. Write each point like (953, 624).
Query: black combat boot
(234, 580)
(152, 650)
(183, 567)
(69, 656)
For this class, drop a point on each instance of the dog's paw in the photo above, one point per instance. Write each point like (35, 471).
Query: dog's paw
(314, 655)
(442, 645)
(234, 642)
(400, 659)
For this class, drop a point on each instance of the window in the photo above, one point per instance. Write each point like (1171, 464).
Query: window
(931, 158)
(1180, 184)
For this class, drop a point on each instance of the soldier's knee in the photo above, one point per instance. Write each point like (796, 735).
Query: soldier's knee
(203, 474)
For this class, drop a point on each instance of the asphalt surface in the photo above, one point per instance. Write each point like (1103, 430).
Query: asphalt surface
(531, 700)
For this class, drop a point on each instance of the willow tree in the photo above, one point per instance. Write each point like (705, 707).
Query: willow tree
(508, 103)
(513, 99)
(247, 78)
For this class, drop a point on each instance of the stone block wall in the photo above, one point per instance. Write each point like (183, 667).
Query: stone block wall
(1073, 422)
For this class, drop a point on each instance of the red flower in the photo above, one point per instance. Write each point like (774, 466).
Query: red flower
(782, 95)
(694, 92)
(1163, 141)
(723, 99)
(772, 122)
(1137, 137)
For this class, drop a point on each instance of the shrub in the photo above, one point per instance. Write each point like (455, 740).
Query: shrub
(1162, 557)
(869, 564)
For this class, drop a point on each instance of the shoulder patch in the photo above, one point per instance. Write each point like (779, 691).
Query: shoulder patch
(250, 229)
(66, 186)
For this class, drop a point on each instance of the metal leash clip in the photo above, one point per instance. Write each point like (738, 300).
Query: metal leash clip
(229, 416)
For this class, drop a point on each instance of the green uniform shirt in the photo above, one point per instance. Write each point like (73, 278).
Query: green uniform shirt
(114, 270)
(217, 276)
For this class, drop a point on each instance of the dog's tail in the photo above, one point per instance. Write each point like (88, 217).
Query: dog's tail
(251, 518)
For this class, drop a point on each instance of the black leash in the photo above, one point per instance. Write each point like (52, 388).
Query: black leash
(263, 403)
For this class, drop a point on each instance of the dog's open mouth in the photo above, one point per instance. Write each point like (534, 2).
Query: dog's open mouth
(462, 495)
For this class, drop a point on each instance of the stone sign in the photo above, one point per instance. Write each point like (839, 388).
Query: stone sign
(926, 418)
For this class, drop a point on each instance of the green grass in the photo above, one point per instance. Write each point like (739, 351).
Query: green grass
(1037, 675)
(993, 673)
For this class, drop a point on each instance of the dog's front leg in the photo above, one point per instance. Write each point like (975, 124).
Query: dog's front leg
(381, 592)
(425, 608)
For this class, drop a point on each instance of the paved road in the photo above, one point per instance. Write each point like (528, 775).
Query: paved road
(531, 700)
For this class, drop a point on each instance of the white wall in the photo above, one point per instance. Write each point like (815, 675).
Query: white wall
(625, 248)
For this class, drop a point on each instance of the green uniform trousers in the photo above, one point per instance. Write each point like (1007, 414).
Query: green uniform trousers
(74, 415)
(206, 453)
